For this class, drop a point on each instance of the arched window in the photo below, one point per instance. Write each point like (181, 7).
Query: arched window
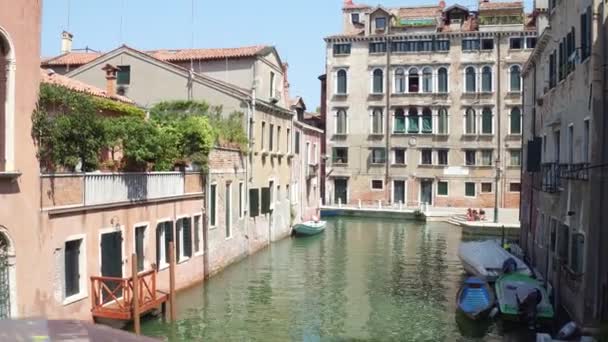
(486, 121)
(442, 80)
(377, 122)
(400, 81)
(427, 80)
(470, 80)
(378, 82)
(515, 72)
(442, 124)
(342, 82)
(412, 120)
(486, 79)
(399, 124)
(427, 120)
(413, 80)
(341, 122)
(515, 120)
(469, 118)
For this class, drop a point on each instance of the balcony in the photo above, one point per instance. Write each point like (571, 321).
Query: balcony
(578, 171)
(93, 189)
(551, 181)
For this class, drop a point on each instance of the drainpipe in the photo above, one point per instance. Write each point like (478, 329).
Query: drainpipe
(388, 126)
(498, 130)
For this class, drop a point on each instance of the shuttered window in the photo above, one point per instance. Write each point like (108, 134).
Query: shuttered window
(168, 238)
(265, 200)
(184, 239)
(139, 246)
(197, 233)
(212, 205)
(72, 267)
(254, 202)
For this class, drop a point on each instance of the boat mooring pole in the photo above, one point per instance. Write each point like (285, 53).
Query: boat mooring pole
(135, 277)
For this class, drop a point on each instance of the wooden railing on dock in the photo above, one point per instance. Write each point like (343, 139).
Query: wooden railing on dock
(113, 297)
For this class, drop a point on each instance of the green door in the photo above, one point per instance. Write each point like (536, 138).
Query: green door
(111, 262)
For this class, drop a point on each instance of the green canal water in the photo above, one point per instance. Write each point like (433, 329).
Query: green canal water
(361, 280)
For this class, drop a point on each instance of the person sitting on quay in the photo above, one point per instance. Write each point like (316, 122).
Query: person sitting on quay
(482, 215)
(470, 216)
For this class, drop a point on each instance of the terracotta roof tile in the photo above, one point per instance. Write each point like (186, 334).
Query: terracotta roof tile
(206, 54)
(349, 4)
(75, 85)
(72, 58)
(419, 12)
(483, 6)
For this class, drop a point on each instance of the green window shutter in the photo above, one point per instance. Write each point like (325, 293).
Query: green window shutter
(187, 231)
(427, 124)
(265, 200)
(254, 202)
(470, 189)
(159, 230)
(442, 188)
(179, 231)
(168, 239)
(413, 124)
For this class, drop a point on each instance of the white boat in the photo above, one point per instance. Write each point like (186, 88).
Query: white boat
(310, 227)
(485, 259)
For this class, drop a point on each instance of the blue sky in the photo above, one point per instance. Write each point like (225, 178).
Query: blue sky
(295, 27)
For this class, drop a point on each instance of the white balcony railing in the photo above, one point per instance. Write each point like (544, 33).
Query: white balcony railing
(106, 188)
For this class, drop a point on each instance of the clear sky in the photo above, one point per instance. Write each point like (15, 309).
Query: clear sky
(295, 27)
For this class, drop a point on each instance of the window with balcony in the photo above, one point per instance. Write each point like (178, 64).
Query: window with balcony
(470, 159)
(377, 121)
(378, 156)
(515, 118)
(427, 80)
(341, 49)
(413, 81)
(399, 156)
(442, 121)
(469, 189)
(426, 157)
(399, 124)
(469, 118)
(442, 157)
(412, 121)
(378, 81)
(341, 122)
(340, 155)
(342, 82)
(486, 157)
(470, 80)
(442, 80)
(486, 79)
(515, 76)
(400, 81)
(486, 121)
(427, 120)
(515, 158)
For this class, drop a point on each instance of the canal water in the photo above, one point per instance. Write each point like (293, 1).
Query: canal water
(361, 280)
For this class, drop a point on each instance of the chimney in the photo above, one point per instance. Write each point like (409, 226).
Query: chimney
(66, 42)
(110, 78)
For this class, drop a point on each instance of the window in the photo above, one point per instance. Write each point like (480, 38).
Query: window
(469, 189)
(400, 81)
(516, 43)
(486, 79)
(289, 141)
(515, 72)
(470, 44)
(378, 156)
(426, 157)
(442, 45)
(241, 200)
(414, 81)
(515, 126)
(164, 236)
(442, 188)
(442, 80)
(530, 42)
(279, 138)
(563, 239)
(183, 246)
(270, 138)
(399, 124)
(562, 59)
(297, 143)
(377, 122)
(586, 140)
(342, 82)
(265, 200)
(557, 142)
(72, 263)
(470, 80)
(427, 120)
(378, 81)
(213, 205)
(198, 233)
(515, 158)
(470, 159)
(577, 254)
(314, 158)
(486, 188)
(486, 157)
(377, 47)
(552, 70)
(272, 80)
(340, 155)
(399, 156)
(586, 33)
(377, 184)
(487, 44)
(354, 18)
(412, 120)
(307, 154)
(442, 157)
(515, 187)
(341, 49)
(427, 80)
(254, 202)
(140, 233)
(263, 135)
(571, 144)
(469, 118)
(123, 75)
(442, 121)
(381, 23)
(287, 192)
(570, 50)
(486, 121)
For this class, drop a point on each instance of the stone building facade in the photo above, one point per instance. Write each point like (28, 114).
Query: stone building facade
(564, 175)
(424, 105)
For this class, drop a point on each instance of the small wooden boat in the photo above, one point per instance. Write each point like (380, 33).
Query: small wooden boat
(310, 227)
(485, 259)
(475, 298)
(511, 291)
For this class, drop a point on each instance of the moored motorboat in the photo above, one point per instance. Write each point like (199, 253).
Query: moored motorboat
(485, 259)
(310, 227)
(475, 298)
(519, 295)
